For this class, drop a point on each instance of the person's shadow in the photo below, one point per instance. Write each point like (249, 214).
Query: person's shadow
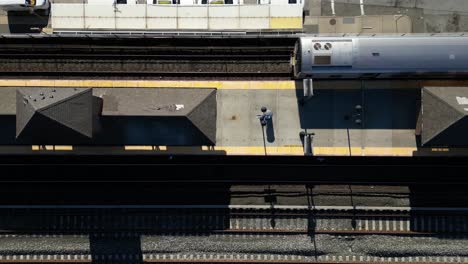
(270, 131)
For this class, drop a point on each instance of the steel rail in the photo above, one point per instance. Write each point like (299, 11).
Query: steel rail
(222, 258)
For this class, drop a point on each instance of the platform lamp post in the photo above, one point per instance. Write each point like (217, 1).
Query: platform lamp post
(307, 138)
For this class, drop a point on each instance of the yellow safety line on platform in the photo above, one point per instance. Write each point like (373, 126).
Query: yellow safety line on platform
(258, 150)
(388, 151)
(440, 149)
(235, 85)
(256, 85)
(282, 150)
(52, 147)
(254, 150)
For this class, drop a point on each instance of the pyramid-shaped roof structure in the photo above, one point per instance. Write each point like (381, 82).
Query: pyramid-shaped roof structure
(50, 115)
(444, 116)
(195, 108)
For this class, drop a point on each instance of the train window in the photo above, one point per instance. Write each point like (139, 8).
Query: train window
(375, 54)
(228, 2)
(292, 1)
(121, 1)
(322, 59)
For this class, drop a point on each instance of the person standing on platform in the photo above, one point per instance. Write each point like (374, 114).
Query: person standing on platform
(266, 116)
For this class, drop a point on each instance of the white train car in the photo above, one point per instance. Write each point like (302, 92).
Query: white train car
(177, 15)
(24, 5)
(197, 2)
(383, 57)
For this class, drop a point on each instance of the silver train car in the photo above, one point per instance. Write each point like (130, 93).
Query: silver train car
(383, 57)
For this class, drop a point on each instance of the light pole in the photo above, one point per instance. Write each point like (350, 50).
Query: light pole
(307, 138)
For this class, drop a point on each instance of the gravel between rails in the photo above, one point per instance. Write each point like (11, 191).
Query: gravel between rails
(298, 245)
(44, 245)
(308, 246)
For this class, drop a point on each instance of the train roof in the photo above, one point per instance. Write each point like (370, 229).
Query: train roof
(386, 35)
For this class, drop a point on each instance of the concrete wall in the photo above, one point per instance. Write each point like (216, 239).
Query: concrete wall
(173, 17)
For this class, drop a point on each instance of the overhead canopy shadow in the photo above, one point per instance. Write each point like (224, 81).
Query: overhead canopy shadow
(381, 108)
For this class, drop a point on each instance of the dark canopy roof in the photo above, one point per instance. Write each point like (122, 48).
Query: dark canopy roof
(181, 116)
(444, 116)
(48, 115)
(110, 116)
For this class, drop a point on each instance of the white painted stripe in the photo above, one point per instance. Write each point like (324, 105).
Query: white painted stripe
(361, 3)
(332, 2)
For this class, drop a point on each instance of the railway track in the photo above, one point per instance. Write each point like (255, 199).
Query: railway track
(210, 258)
(233, 221)
(244, 250)
(160, 62)
(154, 67)
(233, 235)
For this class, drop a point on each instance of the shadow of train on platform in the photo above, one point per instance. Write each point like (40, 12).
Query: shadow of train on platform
(359, 114)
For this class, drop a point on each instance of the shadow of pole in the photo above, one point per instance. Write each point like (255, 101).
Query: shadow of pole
(271, 199)
(264, 140)
(312, 220)
(353, 220)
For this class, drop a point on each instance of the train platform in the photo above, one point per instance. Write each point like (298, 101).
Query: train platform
(347, 118)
